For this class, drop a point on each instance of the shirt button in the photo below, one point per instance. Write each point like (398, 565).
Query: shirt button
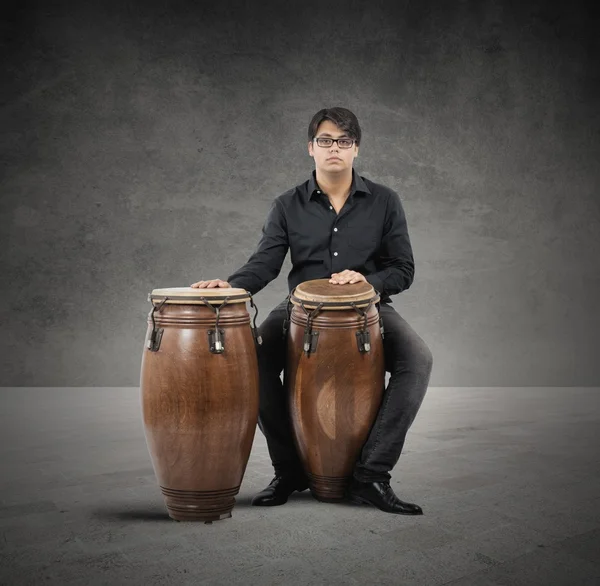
(335, 229)
(330, 207)
(335, 254)
(318, 192)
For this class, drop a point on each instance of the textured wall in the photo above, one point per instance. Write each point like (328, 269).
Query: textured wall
(143, 143)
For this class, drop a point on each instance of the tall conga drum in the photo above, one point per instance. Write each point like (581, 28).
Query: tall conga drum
(335, 376)
(199, 394)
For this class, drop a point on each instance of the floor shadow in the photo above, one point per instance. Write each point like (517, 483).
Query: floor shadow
(304, 496)
(241, 502)
(135, 515)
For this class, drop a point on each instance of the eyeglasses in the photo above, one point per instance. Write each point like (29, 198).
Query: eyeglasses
(343, 143)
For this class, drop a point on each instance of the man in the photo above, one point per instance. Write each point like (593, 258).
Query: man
(344, 227)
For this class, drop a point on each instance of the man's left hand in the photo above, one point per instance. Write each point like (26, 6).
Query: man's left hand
(346, 276)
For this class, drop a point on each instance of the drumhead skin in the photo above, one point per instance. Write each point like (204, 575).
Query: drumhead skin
(311, 293)
(192, 295)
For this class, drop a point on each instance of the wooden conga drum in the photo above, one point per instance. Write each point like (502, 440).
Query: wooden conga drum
(335, 376)
(199, 394)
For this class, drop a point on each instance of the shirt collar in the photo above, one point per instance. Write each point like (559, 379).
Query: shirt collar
(358, 185)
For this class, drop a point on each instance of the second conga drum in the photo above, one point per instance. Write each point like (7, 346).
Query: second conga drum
(335, 376)
(199, 392)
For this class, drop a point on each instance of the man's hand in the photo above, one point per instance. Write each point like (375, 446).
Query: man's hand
(210, 284)
(346, 276)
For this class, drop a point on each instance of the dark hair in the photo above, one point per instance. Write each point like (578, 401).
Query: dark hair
(341, 117)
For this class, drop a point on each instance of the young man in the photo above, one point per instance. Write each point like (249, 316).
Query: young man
(344, 227)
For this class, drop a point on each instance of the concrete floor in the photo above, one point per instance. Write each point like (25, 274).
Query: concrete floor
(508, 478)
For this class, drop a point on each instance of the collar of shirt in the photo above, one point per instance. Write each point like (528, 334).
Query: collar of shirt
(358, 185)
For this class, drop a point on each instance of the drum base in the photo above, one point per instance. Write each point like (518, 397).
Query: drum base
(328, 489)
(326, 499)
(207, 506)
(207, 518)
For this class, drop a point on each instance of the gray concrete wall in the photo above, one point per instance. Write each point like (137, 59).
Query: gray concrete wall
(143, 143)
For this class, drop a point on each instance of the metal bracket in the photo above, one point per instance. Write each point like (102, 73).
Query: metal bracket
(153, 343)
(257, 336)
(216, 341)
(363, 339)
(310, 338)
(381, 328)
(310, 341)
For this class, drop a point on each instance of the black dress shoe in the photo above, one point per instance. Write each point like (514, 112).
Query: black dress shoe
(278, 491)
(381, 495)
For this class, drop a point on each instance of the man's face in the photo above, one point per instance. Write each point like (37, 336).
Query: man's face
(332, 159)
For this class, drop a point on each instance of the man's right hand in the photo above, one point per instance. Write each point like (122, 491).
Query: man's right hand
(213, 283)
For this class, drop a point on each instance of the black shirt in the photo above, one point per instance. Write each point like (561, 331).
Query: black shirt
(369, 235)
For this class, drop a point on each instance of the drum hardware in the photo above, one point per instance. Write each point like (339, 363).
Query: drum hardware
(333, 397)
(190, 410)
(257, 338)
(310, 338)
(153, 343)
(363, 337)
(378, 306)
(216, 337)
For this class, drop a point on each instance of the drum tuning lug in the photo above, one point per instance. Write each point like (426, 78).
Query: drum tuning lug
(257, 337)
(310, 341)
(381, 328)
(153, 343)
(364, 340)
(216, 341)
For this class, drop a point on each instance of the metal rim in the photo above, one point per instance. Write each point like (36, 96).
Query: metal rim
(332, 304)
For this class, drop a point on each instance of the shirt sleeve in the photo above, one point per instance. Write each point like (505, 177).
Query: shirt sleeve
(265, 263)
(395, 254)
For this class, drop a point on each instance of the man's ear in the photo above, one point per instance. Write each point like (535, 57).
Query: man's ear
(310, 148)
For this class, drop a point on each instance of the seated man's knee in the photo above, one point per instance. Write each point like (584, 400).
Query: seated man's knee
(425, 358)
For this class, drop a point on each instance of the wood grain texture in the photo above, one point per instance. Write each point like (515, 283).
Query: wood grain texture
(200, 409)
(335, 394)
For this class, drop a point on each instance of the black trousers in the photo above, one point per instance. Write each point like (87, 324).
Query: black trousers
(407, 359)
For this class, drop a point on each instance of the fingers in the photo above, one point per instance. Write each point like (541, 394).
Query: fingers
(212, 284)
(346, 276)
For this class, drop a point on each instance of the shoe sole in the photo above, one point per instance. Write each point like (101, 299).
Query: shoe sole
(276, 503)
(361, 501)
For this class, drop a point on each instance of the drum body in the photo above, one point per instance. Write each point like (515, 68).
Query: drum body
(200, 406)
(336, 387)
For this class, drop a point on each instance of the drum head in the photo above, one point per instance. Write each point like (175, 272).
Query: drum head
(311, 293)
(191, 295)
